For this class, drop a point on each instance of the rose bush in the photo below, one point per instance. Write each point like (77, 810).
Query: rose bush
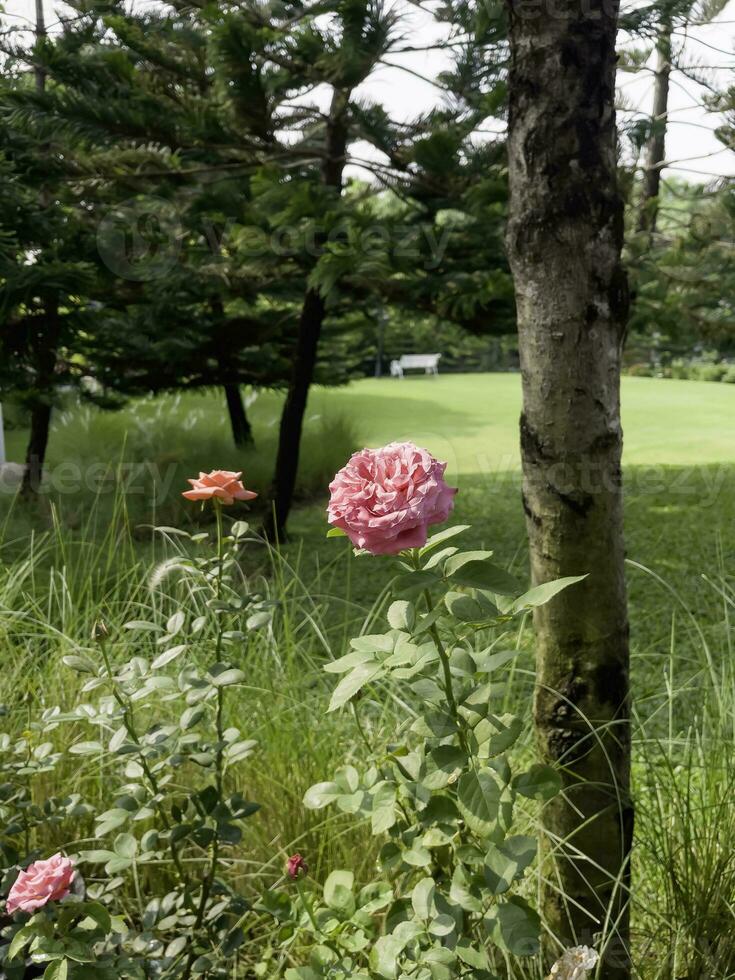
(158, 722)
(139, 889)
(440, 794)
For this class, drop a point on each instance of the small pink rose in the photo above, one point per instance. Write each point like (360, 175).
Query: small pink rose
(221, 485)
(386, 499)
(40, 883)
(296, 866)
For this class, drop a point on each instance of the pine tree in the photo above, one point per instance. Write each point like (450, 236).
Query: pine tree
(208, 119)
(44, 279)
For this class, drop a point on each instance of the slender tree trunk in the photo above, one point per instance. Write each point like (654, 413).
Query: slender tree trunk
(47, 343)
(242, 431)
(656, 145)
(46, 350)
(289, 440)
(307, 344)
(36, 450)
(564, 241)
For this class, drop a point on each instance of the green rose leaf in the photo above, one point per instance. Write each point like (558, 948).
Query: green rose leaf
(473, 956)
(20, 940)
(353, 682)
(338, 892)
(515, 927)
(541, 594)
(422, 898)
(401, 615)
(384, 807)
(473, 568)
(496, 733)
(540, 782)
(441, 536)
(321, 795)
(167, 656)
(349, 661)
(507, 861)
(463, 607)
(478, 797)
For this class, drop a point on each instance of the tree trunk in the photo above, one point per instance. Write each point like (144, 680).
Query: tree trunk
(36, 451)
(307, 344)
(564, 241)
(242, 431)
(656, 145)
(289, 439)
(46, 349)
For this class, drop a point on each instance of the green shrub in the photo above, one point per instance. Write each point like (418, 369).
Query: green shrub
(641, 371)
(151, 447)
(709, 372)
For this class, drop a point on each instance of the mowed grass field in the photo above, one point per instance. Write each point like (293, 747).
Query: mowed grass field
(679, 459)
(471, 420)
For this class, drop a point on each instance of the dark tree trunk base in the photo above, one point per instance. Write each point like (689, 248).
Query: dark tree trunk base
(292, 418)
(242, 431)
(36, 452)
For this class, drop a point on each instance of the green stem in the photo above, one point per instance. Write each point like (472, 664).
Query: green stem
(127, 717)
(307, 905)
(361, 728)
(444, 658)
(220, 572)
(211, 875)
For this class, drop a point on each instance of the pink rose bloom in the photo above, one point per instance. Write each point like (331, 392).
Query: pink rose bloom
(223, 485)
(296, 866)
(40, 883)
(386, 499)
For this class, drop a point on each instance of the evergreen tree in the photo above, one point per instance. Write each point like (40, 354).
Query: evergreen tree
(45, 280)
(210, 120)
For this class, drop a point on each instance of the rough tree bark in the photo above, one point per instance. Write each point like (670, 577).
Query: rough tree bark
(564, 240)
(307, 344)
(656, 146)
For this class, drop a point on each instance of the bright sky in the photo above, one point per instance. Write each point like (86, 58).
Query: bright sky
(694, 151)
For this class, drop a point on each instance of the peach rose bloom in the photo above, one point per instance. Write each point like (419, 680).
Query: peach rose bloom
(40, 883)
(386, 499)
(221, 485)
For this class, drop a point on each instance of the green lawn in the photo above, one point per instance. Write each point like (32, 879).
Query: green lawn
(471, 420)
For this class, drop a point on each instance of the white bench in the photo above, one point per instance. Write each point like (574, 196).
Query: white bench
(429, 362)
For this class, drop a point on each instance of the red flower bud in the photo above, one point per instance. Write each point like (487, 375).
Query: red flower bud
(296, 866)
